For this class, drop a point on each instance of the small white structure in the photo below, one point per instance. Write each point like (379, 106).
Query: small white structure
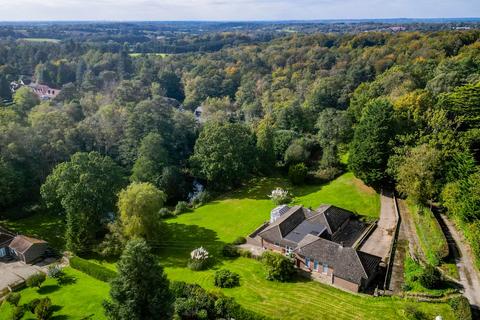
(438, 318)
(278, 212)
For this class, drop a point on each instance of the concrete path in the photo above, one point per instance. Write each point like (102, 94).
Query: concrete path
(13, 274)
(378, 243)
(469, 277)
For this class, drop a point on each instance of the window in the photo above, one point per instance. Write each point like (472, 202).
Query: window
(307, 262)
(277, 244)
(315, 265)
(3, 252)
(325, 268)
(288, 250)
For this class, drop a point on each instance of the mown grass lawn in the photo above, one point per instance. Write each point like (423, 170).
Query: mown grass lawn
(79, 300)
(302, 299)
(221, 221)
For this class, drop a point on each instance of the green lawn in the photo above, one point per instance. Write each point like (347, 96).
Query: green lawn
(302, 299)
(432, 240)
(79, 300)
(221, 221)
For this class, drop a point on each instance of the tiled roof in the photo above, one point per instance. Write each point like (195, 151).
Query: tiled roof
(22, 243)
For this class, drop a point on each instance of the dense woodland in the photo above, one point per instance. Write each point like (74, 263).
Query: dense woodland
(402, 107)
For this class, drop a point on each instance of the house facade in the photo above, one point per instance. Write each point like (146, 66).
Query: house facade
(20, 247)
(323, 244)
(44, 92)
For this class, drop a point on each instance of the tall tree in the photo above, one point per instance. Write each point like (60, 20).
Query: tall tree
(141, 290)
(224, 154)
(152, 158)
(85, 188)
(265, 145)
(370, 149)
(138, 205)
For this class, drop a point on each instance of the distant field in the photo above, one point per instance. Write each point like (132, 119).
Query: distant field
(139, 54)
(40, 40)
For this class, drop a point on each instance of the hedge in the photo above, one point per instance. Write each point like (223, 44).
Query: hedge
(94, 270)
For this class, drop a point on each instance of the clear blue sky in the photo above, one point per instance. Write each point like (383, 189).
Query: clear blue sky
(233, 9)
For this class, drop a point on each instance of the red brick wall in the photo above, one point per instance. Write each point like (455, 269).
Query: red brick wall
(273, 247)
(345, 284)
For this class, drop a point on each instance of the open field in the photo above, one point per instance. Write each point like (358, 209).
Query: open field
(79, 300)
(139, 54)
(40, 40)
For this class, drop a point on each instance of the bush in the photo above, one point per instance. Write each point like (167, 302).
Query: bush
(280, 196)
(230, 251)
(201, 198)
(32, 305)
(18, 313)
(245, 253)
(181, 207)
(226, 279)
(55, 272)
(44, 309)
(165, 213)
(199, 259)
(198, 265)
(92, 269)
(279, 267)
(239, 241)
(297, 173)
(430, 277)
(461, 308)
(327, 174)
(36, 280)
(412, 313)
(13, 298)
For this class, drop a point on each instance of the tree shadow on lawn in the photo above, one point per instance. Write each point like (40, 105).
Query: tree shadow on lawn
(260, 188)
(180, 239)
(48, 289)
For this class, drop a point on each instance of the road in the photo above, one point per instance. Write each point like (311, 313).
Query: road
(378, 243)
(469, 277)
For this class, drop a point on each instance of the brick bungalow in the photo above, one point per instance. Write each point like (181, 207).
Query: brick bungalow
(322, 242)
(21, 247)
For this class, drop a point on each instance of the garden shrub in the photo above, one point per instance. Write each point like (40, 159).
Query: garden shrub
(201, 198)
(239, 241)
(13, 298)
(461, 308)
(279, 267)
(165, 213)
(18, 313)
(297, 173)
(181, 207)
(230, 251)
(226, 279)
(199, 259)
(55, 272)
(36, 280)
(94, 270)
(327, 174)
(245, 253)
(194, 302)
(32, 305)
(412, 313)
(280, 196)
(430, 277)
(44, 309)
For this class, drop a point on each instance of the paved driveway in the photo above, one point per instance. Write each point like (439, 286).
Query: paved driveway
(378, 243)
(14, 273)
